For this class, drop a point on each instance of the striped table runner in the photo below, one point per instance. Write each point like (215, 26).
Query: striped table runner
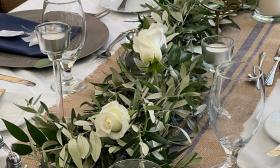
(250, 41)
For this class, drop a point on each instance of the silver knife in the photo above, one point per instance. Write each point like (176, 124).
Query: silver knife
(17, 80)
(270, 77)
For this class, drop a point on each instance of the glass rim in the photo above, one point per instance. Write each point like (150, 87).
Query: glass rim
(68, 27)
(204, 43)
(226, 64)
(121, 161)
(58, 2)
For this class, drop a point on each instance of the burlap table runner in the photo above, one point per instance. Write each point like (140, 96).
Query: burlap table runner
(252, 39)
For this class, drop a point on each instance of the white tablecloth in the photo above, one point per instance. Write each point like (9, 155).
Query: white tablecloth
(116, 24)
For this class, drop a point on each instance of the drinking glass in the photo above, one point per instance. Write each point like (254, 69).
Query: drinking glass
(70, 12)
(216, 50)
(53, 38)
(137, 163)
(235, 108)
(267, 11)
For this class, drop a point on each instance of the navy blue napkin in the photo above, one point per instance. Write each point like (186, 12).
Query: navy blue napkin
(15, 44)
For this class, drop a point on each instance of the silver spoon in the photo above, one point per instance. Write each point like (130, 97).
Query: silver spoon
(270, 77)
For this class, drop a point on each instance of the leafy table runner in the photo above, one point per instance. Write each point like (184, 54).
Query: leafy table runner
(252, 39)
(75, 100)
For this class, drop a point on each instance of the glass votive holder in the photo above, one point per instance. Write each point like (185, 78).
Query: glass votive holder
(137, 163)
(267, 11)
(217, 49)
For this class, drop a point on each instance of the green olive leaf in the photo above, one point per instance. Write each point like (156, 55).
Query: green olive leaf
(74, 152)
(83, 123)
(154, 96)
(63, 156)
(83, 146)
(21, 149)
(38, 137)
(96, 145)
(144, 148)
(15, 131)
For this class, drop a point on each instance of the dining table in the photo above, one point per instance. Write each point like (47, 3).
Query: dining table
(250, 40)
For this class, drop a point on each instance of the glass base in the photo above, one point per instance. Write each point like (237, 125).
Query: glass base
(71, 86)
(224, 165)
(265, 19)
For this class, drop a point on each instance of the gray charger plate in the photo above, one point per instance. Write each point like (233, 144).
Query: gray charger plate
(97, 36)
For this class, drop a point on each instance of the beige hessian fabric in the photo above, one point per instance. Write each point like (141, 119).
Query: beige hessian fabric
(252, 39)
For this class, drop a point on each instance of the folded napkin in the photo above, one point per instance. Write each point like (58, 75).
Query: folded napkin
(16, 44)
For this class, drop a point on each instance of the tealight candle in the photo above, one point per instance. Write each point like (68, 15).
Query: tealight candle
(54, 42)
(216, 53)
(269, 7)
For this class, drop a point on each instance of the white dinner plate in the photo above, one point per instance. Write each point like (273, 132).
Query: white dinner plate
(272, 126)
(9, 112)
(132, 6)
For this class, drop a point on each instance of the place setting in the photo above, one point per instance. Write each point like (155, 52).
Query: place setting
(19, 49)
(19, 42)
(146, 84)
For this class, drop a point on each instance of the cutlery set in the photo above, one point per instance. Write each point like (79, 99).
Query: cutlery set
(269, 78)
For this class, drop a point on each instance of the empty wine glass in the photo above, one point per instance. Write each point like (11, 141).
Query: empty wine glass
(53, 38)
(235, 108)
(137, 163)
(70, 12)
(216, 50)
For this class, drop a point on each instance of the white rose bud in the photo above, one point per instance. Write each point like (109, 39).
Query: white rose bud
(148, 42)
(112, 121)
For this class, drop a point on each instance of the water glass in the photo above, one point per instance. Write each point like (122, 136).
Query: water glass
(235, 108)
(53, 38)
(136, 163)
(70, 12)
(267, 11)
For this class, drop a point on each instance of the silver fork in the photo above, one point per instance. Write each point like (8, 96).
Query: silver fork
(253, 75)
(122, 5)
(107, 52)
(100, 14)
(270, 77)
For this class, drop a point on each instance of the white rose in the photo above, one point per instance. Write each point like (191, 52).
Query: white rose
(112, 121)
(148, 42)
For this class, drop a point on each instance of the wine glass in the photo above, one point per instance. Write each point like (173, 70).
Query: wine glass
(54, 38)
(137, 163)
(70, 12)
(216, 50)
(235, 108)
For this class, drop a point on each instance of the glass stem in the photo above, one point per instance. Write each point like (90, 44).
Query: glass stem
(58, 83)
(229, 160)
(67, 75)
